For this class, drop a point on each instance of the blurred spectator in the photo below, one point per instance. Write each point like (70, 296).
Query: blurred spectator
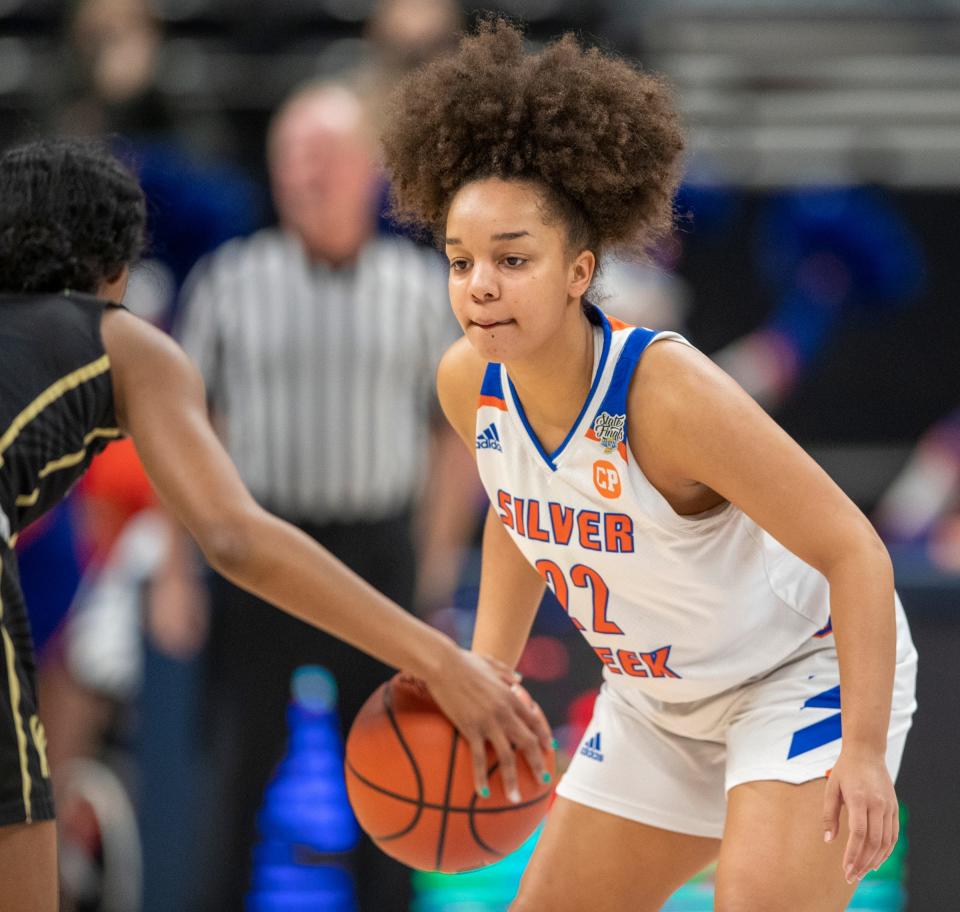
(79, 710)
(407, 33)
(318, 341)
(114, 58)
(922, 505)
(827, 255)
(403, 34)
(113, 53)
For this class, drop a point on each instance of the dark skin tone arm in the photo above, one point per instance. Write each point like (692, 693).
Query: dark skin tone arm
(160, 403)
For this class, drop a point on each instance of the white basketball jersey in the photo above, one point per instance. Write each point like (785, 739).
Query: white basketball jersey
(678, 607)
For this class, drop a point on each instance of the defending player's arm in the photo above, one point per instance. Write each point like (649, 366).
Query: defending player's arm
(691, 423)
(160, 403)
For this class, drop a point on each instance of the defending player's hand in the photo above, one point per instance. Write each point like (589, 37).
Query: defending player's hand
(482, 698)
(862, 783)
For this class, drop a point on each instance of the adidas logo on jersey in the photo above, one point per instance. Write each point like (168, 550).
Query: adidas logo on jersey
(490, 438)
(591, 748)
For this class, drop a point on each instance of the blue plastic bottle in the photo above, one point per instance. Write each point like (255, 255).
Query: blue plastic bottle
(307, 829)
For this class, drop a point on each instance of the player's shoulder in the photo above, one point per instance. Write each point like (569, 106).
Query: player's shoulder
(459, 378)
(145, 363)
(669, 358)
(141, 353)
(672, 360)
(673, 382)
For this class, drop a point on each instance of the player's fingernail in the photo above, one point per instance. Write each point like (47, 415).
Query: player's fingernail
(828, 836)
(554, 743)
(485, 792)
(546, 776)
(514, 795)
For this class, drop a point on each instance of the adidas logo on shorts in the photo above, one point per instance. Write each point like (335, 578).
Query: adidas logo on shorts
(591, 748)
(490, 438)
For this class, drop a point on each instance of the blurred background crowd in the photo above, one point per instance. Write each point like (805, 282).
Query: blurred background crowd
(812, 258)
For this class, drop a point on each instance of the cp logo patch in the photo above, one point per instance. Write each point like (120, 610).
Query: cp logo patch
(606, 479)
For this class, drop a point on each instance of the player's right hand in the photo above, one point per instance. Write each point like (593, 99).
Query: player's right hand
(481, 696)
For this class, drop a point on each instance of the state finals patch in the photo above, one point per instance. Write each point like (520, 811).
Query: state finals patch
(608, 430)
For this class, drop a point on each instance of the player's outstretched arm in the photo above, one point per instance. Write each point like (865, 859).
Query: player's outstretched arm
(161, 404)
(690, 423)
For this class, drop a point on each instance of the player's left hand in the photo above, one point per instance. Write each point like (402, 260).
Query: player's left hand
(861, 782)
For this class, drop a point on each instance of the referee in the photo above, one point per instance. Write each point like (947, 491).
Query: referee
(318, 341)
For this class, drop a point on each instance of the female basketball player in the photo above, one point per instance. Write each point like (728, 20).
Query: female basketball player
(702, 554)
(76, 371)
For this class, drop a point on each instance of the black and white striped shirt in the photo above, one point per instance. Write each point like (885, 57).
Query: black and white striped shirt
(322, 378)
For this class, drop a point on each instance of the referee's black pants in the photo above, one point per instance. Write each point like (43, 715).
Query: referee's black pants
(253, 649)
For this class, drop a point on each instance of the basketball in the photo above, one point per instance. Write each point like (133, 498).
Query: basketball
(410, 781)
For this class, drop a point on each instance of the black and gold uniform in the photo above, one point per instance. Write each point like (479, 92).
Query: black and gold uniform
(56, 414)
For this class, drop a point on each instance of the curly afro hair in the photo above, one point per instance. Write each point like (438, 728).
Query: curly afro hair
(71, 217)
(600, 137)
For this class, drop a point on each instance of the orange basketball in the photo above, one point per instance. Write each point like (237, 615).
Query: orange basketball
(410, 781)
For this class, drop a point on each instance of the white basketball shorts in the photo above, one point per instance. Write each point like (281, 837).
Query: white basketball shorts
(670, 765)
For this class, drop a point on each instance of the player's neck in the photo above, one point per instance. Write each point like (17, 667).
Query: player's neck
(115, 288)
(554, 382)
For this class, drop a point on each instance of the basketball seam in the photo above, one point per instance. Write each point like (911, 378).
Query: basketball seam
(473, 823)
(388, 709)
(453, 809)
(445, 813)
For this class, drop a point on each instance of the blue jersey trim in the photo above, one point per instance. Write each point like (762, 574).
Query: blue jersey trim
(593, 387)
(492, 385)
(615, 400)
(550, 459)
